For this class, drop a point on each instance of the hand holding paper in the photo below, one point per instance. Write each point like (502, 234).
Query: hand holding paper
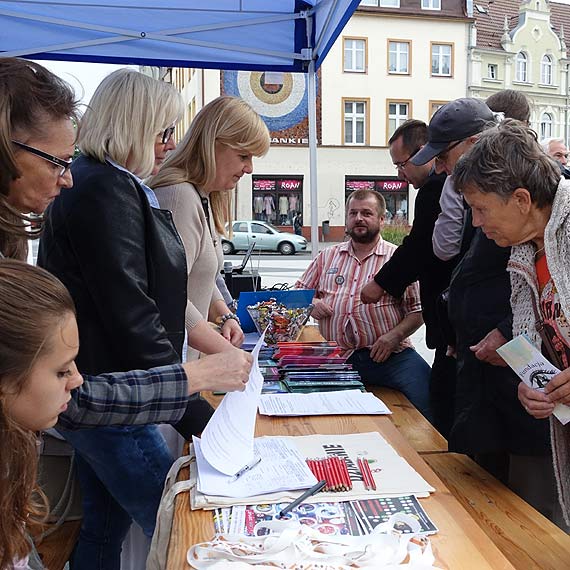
(558, 389)
(537, 372)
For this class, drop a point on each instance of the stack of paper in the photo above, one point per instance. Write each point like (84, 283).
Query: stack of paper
(278, 456)
(392, 474)
(321, 403)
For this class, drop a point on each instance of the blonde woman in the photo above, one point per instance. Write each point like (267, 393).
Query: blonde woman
(122, 260)
(195, 183)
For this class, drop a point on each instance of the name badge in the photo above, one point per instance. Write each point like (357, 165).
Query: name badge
(332, 271)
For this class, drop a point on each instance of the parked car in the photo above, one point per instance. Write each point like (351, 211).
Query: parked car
(266, 237)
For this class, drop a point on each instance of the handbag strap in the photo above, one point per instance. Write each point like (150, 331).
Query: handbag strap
(539, 324)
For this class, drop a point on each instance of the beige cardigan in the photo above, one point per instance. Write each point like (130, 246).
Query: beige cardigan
(204, 260)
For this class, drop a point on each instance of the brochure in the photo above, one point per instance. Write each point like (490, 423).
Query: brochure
(533, 369)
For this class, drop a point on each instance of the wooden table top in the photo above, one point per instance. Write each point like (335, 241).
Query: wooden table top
(459, 545)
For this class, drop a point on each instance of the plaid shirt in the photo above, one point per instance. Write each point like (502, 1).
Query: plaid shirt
(159, 395)
(338, 276)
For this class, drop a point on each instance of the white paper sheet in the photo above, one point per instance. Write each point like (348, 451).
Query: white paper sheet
(227, 440)
(532, 368)
(281, 468)
(321, 403)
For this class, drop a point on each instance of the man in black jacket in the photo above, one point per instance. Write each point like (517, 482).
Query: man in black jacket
(414, 260)
(489, 423)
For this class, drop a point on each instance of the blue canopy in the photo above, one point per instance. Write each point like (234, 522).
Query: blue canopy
(254, 35)
(281, 35)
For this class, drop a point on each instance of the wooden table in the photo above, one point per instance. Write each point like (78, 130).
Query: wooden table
(459, 545)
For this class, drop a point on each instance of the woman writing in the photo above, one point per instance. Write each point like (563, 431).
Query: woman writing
(195, 183)
(519, 199)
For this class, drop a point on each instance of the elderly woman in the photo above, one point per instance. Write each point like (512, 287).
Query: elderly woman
(195, 183)
(518, 199)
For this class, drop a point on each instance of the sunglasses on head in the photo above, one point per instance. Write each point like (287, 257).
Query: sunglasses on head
(167, 134)
(64, 164)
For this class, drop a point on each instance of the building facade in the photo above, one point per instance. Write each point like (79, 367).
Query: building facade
(520, 44)
(395, 60)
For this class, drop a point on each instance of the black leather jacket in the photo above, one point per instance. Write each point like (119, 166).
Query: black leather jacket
(124, 265)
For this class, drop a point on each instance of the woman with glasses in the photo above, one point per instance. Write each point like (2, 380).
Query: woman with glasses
(39, 381)
(196, 184)
(123, 262)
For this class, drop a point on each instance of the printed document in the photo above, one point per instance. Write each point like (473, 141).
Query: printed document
(282, 467)
(227, 440)
(321, 404)
(532, 368)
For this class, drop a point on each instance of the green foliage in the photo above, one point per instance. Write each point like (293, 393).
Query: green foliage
(395, 232)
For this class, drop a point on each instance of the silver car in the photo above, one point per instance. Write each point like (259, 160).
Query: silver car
(266, 237)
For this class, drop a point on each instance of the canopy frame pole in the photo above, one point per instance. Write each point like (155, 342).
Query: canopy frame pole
(312, 111)
(122, 35)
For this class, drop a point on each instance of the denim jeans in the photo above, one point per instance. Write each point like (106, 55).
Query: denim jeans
(121, 472)
(404, 371)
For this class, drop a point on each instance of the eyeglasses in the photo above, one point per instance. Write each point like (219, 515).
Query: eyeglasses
(64, 164)
(167, 134)
(442, 156)
(402, 165)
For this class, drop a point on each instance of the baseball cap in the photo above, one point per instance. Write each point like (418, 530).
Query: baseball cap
(455, 121)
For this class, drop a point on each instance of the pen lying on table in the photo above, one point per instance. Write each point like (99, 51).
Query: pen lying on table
(308, 493)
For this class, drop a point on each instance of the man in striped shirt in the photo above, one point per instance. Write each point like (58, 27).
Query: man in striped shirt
(375, 335)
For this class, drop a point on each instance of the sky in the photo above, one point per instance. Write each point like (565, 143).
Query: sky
(83, 77)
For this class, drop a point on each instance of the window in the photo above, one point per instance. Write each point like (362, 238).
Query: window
(546, 126)
(276, 200)
(355, 122)
(434, 106)
(240, 227)
(492, 71)
(521, 71)
(399, 57)
(398, 112)
(441, 60)
(355, 55)
(381, 3)
(546, 70)
(431, 4)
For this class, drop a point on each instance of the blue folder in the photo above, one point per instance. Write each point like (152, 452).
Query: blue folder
(293, 299)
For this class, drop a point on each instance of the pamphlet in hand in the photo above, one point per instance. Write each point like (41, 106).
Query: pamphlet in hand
(532, 368)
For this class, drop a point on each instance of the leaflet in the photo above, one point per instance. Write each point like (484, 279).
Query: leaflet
(227, 440)
(532, 368)
(282, 467)
(321, 403)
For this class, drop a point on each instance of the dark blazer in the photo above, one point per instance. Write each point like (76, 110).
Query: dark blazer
(125, 267)
(414, 260)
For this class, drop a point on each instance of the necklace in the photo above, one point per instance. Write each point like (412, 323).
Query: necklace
(538, 251)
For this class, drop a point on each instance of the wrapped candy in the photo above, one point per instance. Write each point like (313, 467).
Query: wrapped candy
(280, 323)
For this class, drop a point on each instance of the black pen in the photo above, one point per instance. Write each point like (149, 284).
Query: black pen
(314, 489)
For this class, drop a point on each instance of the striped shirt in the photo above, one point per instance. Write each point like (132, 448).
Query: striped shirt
(159, 395)
(338, 276)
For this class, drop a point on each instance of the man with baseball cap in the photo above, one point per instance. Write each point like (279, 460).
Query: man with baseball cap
(452, 130)
(488, 422)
